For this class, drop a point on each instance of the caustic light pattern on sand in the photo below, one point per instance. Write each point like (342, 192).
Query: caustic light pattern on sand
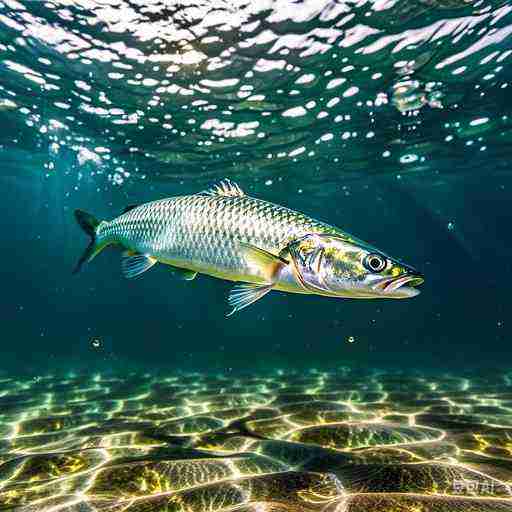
(332, 441)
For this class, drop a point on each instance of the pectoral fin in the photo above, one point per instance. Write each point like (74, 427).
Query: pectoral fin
(133, 264)
(267, 263)
(244, 295)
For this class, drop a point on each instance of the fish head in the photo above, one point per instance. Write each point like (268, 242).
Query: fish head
(342, 266)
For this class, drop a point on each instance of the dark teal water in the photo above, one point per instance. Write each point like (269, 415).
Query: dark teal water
(390, 119)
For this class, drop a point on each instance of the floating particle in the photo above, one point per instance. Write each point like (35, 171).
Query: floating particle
(96, 343)
(450, 226)
(351, 339)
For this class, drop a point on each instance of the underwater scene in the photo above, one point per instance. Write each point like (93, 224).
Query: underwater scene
(207, 207)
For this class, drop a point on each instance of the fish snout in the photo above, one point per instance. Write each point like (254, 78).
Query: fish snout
(402, 286)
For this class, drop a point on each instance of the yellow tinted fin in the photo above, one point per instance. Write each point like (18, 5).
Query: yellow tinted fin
(265, 261)
(134, 264)
(182, 273)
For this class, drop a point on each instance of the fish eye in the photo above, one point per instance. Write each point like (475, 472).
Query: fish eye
(374, 262)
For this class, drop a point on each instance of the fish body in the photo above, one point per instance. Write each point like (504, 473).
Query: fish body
(203, 233)
(228, 235)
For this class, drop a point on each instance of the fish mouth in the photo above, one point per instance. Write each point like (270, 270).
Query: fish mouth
(400, 286)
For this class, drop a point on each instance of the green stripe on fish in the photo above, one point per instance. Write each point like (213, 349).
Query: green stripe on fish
(224, 233)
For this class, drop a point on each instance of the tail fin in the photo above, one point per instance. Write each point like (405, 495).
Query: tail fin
(89, 224)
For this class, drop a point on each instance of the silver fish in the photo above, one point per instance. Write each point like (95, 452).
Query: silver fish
(224, 233)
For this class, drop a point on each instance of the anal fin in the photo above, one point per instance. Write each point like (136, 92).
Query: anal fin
(134, 264)
(245, 294)
(183, 273)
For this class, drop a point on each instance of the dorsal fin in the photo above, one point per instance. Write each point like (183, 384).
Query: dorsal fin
(225, 188)
(129, 207)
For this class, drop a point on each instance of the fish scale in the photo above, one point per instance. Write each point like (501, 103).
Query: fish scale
(203, 232)
(226, 234)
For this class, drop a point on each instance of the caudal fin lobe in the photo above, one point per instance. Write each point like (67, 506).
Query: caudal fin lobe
(89, 224)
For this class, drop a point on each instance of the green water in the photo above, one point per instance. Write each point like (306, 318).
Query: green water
(389, 119)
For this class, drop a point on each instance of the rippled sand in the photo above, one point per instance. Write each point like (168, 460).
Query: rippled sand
(343, 440)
